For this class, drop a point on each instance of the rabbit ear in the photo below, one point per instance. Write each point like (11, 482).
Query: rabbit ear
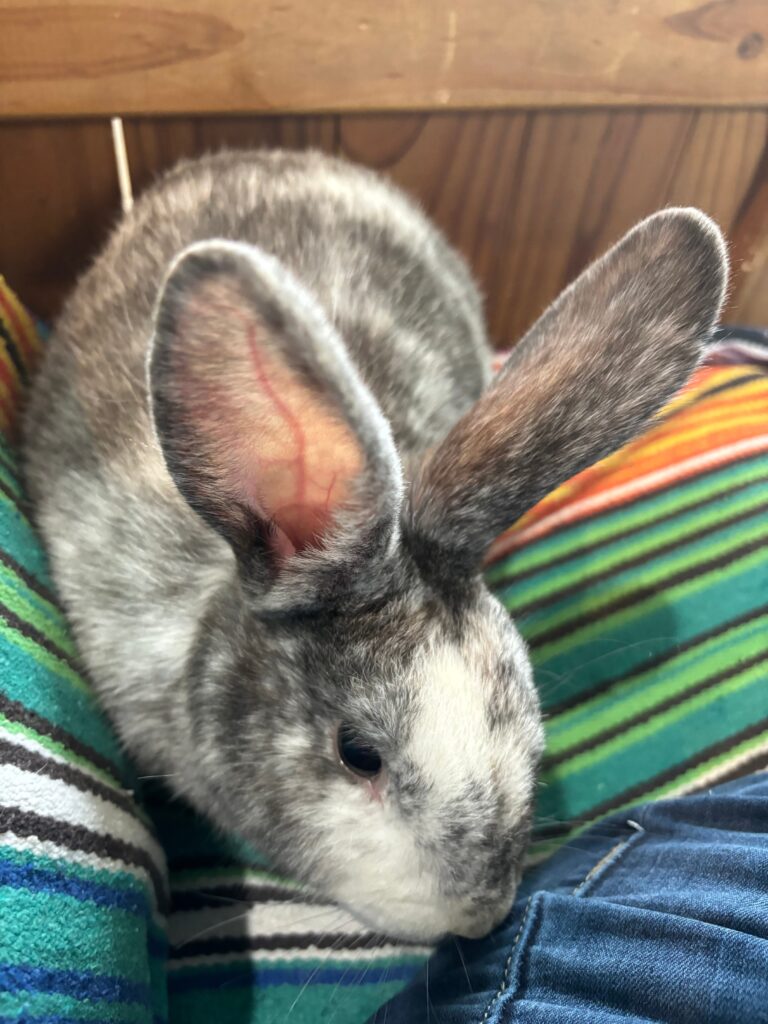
(609, 352)
(265, 426)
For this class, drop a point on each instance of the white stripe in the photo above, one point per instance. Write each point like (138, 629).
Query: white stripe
(27, 743)
(711, 777)
(47, 848)
(277, 956)
(61, 801)
(271, 918)
(575, 510)
(211, 880)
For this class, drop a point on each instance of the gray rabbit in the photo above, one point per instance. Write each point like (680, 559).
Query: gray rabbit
(267, 461)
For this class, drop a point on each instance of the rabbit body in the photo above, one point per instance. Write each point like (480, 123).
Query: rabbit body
(265, 475)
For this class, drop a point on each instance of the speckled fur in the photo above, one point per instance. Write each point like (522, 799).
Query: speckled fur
(229, 673)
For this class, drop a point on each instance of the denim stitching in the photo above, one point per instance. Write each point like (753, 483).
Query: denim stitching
(505, 977)
(608, 860)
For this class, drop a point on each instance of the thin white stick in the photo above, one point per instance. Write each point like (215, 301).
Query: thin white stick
(121, 162)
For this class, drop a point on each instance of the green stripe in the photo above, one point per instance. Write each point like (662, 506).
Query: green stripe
(42, 617)
(18, 729)
(644, 690)
(40, 689)
(53, 664)
(595, 776)
(19, 539)
(687, 558)
(31, 1005)
(35, 590)
(115, 879)
(9, 480)
(8, 454)
(604, 526)
(545, 847)
(16, 511)
(93, 933)
(646, 542)
(675, 614)
(230, 1001)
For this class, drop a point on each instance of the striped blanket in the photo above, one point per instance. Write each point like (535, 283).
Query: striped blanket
(642, 587)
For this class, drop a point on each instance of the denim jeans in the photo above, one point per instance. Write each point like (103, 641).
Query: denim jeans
(657, 914)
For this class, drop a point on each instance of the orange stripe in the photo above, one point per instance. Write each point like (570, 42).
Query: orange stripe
(21, 325)
(699, 439)
(592, 504)
(688, 434)
(10, 374)
(716, 404)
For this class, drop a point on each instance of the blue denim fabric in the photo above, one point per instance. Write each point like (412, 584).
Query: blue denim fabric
(657, 914)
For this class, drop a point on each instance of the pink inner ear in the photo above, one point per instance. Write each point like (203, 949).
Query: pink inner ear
(272, 442)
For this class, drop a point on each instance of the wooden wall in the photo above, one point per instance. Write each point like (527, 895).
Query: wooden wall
(69, 58)
(528, 196)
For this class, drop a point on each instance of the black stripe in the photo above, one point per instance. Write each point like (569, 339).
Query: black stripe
(31, 581)
(6, 460)
(640, 594)
(306, 940)
(748, 377)
(738, 332)
(202, 862)
(216, 895)
(32, 761)
(18, 712)
(31, 633)
(647, 556)
(757, 763)
(645, 716)
(660, 659)
(563, 828)
(602, 542)
(13, 497)
(27, 824)
(13, 352)
(671, 773)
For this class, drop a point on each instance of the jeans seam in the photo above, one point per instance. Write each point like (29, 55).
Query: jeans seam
(506, 973)
(608, 860)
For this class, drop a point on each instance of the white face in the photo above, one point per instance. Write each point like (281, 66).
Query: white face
(433, 846)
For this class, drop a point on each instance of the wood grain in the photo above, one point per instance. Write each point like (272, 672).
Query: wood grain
(529, 197)
(58, 198)
(104, 57)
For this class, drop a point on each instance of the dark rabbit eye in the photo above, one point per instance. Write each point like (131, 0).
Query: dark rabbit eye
(357, 755)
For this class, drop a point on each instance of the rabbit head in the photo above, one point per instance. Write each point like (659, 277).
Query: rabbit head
(363, 709)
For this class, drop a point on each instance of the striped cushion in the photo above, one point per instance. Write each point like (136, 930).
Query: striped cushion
(641, 586)
(83, 884)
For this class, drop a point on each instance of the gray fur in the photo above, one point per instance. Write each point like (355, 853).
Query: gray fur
(228, 667)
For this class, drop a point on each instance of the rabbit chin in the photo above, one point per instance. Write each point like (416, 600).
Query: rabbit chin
(419, 920)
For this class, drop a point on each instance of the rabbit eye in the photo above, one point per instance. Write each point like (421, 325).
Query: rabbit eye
(355, 754)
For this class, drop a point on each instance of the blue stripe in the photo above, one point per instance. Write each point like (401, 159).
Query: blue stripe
(41, 880)
(58, 1019)
(51, 1018)
(79, 984)
(271, 977)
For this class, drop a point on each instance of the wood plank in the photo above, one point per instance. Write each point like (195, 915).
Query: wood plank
(73, 58)
(58, 198)
(529, 197)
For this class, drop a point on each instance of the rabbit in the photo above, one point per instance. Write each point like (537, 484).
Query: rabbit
(267, 460)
